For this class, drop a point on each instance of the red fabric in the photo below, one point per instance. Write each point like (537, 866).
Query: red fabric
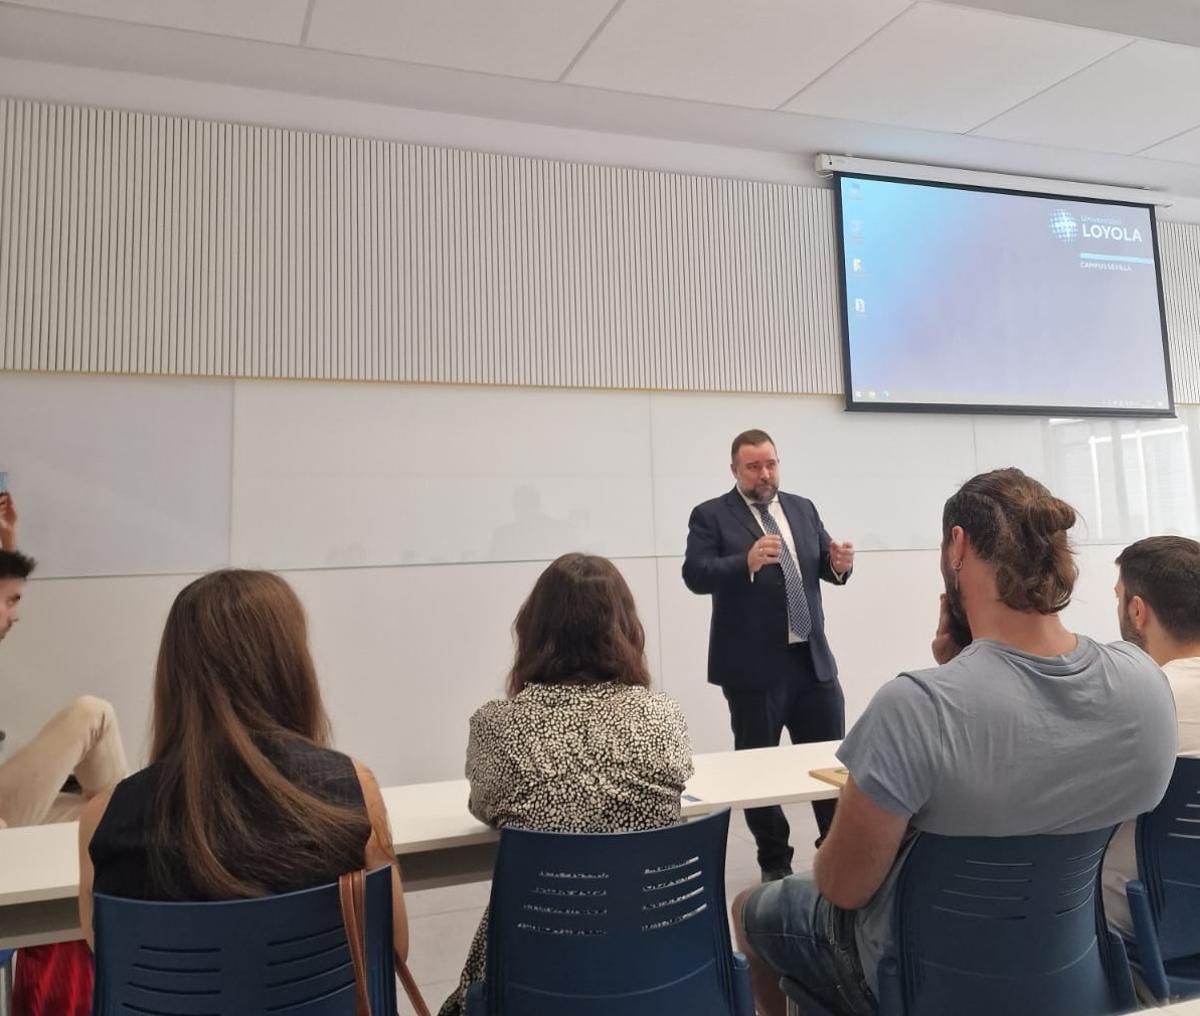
(53, 980)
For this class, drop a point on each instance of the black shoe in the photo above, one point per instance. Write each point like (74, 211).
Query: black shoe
(775, 874)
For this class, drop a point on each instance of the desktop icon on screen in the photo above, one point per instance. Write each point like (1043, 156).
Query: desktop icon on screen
(856, 264)
(860, 306)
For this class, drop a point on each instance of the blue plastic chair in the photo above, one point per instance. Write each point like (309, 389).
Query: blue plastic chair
(597, 924)
(279, 954)
(1000, 925)
(1164, 901)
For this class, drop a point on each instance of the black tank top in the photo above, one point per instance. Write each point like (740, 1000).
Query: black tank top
(121, 851)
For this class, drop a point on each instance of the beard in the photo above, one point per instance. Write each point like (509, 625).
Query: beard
(764, 491)
(960, 628)
(1128, 632)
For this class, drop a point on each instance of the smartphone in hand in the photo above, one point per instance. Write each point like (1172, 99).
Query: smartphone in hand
(960, 631)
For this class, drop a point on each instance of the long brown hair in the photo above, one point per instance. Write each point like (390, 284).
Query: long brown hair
(1018, 527)
(579, 625)
(234, 673)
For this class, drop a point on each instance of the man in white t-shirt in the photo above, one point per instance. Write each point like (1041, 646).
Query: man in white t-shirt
(1158, 604)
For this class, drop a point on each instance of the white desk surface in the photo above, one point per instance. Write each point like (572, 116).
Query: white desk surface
(434, 816)
(40, 864)
(1190, 1008)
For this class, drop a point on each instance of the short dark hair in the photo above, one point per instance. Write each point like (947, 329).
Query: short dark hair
(579, 625)
(15, 565)
(749, 437)
(1018, 527)
(1165, 572)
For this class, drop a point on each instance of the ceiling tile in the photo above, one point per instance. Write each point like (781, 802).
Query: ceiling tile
(1146, 93)
(268, 20)
(748, 53)
(950, 69)
(1184, 147)
(522, 38)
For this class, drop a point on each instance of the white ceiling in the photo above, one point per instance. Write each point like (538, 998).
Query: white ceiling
(529, 39)
(1108, 88)
(741, 53)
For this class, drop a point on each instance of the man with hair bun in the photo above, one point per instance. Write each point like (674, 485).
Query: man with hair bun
(1014, 733)
(1158, 608)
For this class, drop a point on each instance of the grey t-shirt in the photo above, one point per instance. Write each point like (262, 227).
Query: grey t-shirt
(1001, 743)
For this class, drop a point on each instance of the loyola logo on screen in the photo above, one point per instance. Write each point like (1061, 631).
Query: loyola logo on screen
(1068, 228)
(1064, 225)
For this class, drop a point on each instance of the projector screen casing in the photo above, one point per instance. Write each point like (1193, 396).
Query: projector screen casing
(875, 406)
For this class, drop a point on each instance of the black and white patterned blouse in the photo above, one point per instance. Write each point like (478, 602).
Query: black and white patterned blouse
(574, 758)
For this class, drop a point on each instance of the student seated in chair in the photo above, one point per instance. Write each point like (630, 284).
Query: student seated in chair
(1158, 606)
(581, 744)
(81, 740)
(243, 796)
(1023, 728)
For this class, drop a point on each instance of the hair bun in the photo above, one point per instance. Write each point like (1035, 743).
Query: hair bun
(1048, 515)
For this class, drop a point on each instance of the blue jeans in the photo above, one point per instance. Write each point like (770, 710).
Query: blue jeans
(801, 935)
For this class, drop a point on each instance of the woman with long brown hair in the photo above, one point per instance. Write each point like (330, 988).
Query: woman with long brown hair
(581, 744)
(243, 796)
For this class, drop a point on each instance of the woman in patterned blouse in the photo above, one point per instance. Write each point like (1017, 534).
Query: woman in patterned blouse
(581, 744)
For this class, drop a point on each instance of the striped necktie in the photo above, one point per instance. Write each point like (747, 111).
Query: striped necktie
(799, 619)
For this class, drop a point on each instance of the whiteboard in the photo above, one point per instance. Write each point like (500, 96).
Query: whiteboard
(349, 475)
(143, 476)
(118, 476)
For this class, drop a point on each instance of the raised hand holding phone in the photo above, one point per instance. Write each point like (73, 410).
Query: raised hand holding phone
(951, 637)
(8, 517)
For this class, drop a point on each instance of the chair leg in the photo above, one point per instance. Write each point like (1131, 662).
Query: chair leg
(6, 989)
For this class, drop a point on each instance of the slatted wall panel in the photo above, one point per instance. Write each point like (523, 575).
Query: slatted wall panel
(157, 244)
(139, 243)
(1179, 250)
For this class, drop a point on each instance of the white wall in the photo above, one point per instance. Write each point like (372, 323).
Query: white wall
(413, 520)
(391, 509)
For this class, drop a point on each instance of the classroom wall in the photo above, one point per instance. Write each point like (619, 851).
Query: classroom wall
(414, 519)
(168, 245)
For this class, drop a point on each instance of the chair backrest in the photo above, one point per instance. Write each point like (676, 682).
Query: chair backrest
(285, 955)
(593, 924)
(1168, 856)
(1003, 925)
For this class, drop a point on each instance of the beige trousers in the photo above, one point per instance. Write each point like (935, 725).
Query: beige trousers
(82, 739)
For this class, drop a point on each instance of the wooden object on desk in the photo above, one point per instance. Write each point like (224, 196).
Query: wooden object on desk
(837, 776)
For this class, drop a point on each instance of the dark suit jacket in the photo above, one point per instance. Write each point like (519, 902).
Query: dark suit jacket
(748, 640)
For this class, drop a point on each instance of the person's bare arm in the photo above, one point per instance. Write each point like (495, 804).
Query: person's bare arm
(859, 851)
(380, 852)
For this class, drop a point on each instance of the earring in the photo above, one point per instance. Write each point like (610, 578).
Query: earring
(957, 567)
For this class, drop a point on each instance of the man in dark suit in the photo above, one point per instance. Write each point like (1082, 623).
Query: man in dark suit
(760, 554)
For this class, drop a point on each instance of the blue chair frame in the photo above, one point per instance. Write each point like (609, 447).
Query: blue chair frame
(1164, 900)
(596, 924)
(283, 954)
(1000, 925)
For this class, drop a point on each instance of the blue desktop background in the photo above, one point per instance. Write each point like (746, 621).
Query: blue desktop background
(977, 298)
